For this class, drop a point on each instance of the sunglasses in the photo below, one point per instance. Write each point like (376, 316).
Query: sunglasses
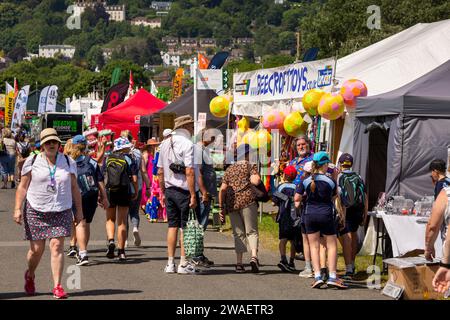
(50, 142)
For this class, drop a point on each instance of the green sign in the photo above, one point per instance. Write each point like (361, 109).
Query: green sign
(225, 80)
(65, 125)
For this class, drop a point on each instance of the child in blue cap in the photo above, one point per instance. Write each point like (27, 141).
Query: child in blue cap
(318, 216)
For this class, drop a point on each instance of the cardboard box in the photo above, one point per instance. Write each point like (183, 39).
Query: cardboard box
(414, 277)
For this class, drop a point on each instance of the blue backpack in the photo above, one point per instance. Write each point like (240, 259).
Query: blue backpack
(352, 189)
(87, 176)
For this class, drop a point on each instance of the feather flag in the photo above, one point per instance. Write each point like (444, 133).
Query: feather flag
(203, 62)
(177, 84)
(218, 60)
(9, 105)
(115, 96)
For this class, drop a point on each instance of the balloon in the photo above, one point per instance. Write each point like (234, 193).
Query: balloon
(264, 139)
(219, 106)
(311, 100)
(331, 106)
(243, 125)
(351, 89)
(294, 125)
(273, 119)
(251, 139)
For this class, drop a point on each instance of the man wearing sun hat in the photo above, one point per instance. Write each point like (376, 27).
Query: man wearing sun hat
(177, 182)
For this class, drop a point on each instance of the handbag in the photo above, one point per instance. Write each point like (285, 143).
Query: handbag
(259, 191)
(193, 235)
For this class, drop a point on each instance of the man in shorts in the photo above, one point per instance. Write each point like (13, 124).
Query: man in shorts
(176, 175)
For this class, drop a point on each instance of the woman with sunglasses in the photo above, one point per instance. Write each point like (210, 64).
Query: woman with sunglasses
(46, 192)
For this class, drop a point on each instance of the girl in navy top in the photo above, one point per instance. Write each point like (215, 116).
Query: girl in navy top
(319, 217)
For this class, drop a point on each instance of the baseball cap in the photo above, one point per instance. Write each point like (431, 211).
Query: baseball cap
(321, 158)
(290, 173)
(167, 132)
(79, 139)
(346, 159)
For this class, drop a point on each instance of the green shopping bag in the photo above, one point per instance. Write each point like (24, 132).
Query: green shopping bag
(193, 235)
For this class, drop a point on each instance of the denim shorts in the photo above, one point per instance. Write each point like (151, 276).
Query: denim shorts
(8, 164)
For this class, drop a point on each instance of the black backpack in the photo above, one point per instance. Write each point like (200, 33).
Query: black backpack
(352, 189)
(24, 148)
(117, 172)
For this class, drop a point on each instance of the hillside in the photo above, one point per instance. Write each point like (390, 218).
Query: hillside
(334, 26)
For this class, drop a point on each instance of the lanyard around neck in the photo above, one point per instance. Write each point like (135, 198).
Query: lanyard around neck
(52, 171)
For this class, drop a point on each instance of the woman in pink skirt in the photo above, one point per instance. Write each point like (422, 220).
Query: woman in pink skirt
(47, 189)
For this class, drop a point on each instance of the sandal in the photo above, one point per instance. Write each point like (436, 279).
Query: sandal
(240, 268)
(254, 263)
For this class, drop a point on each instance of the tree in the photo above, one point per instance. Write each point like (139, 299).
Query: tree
(9, 15)
(95, 58)
(17, 54)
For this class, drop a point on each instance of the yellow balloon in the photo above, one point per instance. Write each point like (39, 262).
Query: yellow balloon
(219, 106)
(331, 106)
(243, 124)
(311, 100)
(294, 125)
(251, 139)
(264, 139)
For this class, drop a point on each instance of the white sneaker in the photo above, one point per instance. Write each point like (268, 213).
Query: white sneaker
(187, 269)
(307, 273)
(126, 244)
(137, 237)
(170, 268)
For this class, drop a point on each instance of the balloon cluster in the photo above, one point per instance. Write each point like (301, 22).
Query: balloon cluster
(331, 105)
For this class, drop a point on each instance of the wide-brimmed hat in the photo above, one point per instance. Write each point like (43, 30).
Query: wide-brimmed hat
(183, 120)
(152, 142)
(48, 135)
(122, 143)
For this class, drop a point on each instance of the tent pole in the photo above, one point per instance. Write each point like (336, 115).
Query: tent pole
(195, 101)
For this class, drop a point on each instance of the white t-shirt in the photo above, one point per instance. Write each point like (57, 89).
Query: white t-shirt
(183, 150)
(38, 195)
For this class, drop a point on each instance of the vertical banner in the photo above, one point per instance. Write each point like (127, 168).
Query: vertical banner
(9, 108)
(153, 89)
(218, 60)
(115, 96)
(177, 84)
(43, 100)
(20, 107)
(51, 100)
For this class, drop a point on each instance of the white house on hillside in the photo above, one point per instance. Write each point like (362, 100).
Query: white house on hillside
(116, 12)
(170, 60)
(152, 23)
(50, 51)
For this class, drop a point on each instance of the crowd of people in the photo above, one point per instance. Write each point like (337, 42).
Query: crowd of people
(319, 204)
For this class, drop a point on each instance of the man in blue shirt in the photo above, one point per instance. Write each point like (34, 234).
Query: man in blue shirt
(303, 147)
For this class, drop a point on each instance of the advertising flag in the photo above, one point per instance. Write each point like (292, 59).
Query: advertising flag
(177, 84)
(115, 96)
(51, 100)
(203, 62)
(153, 89)
(9, 105)
(16, 88)
(218, 60)
(131, 83)
(20, 107)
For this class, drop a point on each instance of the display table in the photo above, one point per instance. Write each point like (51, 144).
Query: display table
(407, 233)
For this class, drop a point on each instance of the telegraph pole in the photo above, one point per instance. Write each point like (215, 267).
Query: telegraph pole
(297, 58)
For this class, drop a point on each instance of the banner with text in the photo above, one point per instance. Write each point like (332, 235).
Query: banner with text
(286, 82)
(209, 79)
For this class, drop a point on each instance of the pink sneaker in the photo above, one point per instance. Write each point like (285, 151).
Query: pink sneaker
(59, 293)
(29, 284)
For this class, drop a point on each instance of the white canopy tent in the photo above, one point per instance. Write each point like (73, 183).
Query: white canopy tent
(393, 62)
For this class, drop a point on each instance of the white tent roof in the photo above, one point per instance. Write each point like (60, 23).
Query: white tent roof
(394, 62)
(399, 59)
